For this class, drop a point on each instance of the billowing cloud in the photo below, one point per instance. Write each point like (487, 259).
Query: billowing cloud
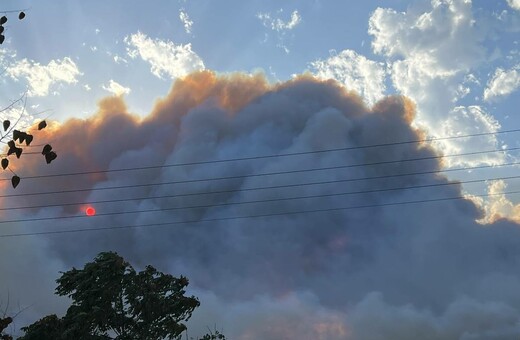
(41, 78)
(165, 57)
(515, 4)
(185, 19)
(116, 88)
(356, 72)
(497, 204)
(503, 83)
(384, 271)
(431, 54)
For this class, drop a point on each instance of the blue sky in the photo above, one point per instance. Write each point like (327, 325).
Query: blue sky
(458, 62)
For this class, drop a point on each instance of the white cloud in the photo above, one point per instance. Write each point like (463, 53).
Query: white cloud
(280, 26)
(442, 42)
(515, 4)
(502, 83)
(183, 16)
(116, 88)
(87, 87)
(119, 60)
(431, 53)
(467, 120)
(165, 57)
(41, 77)
(356, 72)
(277, 24)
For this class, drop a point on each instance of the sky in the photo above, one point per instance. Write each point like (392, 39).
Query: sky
(232, 106)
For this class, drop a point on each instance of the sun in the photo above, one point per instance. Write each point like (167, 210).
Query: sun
(90, 211)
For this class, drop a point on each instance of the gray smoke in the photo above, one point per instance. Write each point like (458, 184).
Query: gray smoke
(425, 270)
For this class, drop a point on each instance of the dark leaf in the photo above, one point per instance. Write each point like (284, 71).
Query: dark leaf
(15, 180)
(5, 322)
(1, 29)
(12, 148)
(7, 124)
(42, 125)
(2, 38)
(50, 156)
(28, 139)
(16, 134)
(22, 137)
(18, 152)
(46, 149)
(5, 163)
(21, 15)
(3, 20)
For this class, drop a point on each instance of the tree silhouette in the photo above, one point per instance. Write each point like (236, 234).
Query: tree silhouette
(16, 140)
(17, 137)
(3, 21)
(4, 323)
(110, 300)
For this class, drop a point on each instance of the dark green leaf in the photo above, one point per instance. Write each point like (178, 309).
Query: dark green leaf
(2, 38)
(28, 139)
(50, 156)
(21, 15)
(7, 123)
(42, 125)
(5, 163)
(16, 134)
(12, 147)
(15, 180)
(3, 20)
(22, 136)
(46, 149)
(18, 152)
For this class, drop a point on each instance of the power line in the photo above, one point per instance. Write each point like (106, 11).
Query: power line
(251, 189)
(288, 155)
(277, 199)
(276, 173)
(67, 231)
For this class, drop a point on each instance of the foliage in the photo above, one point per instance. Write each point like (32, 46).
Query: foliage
(15, 144)
(214, 336)
(47, 328)
(18, 137)
(4, 323)
(3, 21)
(110, 300)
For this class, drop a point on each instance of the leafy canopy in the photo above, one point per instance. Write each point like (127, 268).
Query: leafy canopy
(110, 300)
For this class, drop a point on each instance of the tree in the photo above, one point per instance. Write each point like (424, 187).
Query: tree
(110, 300)
(4, 323)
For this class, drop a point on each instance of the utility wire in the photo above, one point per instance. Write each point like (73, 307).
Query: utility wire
(297, 212)
(287, 155)
(248, 189)
(277, 199)
(265, 174)
(257, 175)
